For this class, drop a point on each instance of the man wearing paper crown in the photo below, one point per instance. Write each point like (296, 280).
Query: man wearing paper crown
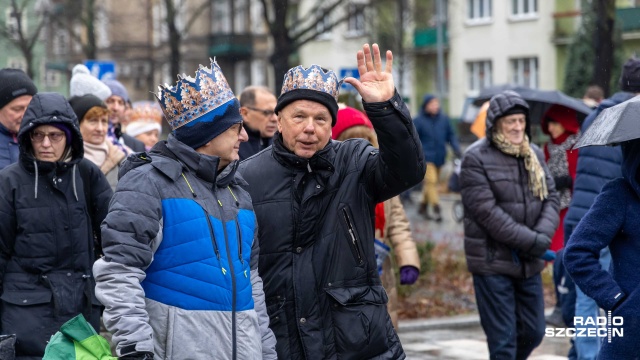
(315, 200)
(179, 279)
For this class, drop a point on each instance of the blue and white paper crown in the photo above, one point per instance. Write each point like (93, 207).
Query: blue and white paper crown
(192, 98)
(312, 78)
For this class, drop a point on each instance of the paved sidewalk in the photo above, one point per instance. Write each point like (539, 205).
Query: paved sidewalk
(461, 337)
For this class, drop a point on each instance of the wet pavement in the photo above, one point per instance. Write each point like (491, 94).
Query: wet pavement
(461, 337)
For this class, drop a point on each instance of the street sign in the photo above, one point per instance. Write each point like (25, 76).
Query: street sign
(102, 69)
(345, 72)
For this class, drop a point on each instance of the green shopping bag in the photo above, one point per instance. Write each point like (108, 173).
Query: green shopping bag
(77, 340)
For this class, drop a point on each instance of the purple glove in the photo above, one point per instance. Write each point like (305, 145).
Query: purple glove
(408, 275)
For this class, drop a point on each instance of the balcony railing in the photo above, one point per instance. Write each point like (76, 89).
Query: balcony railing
(231, 45)
(427, 38)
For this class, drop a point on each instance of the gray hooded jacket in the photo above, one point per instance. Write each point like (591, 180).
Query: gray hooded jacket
(180, 272)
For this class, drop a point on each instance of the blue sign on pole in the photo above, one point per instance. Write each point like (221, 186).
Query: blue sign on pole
(102, 69)
(345, 72)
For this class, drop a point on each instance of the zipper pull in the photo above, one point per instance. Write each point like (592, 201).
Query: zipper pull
(220, 202)
(224, 271)
(245, 273)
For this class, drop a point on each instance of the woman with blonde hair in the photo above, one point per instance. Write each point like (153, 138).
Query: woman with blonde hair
(391, 223)
(93, 116)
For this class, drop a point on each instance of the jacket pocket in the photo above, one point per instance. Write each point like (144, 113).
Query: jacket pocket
(27, 298)
(71, 293)
(278, 324)
(360, 321)
(355, 244)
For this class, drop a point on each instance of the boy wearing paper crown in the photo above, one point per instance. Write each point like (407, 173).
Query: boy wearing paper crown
(179, 239)
(315, 200)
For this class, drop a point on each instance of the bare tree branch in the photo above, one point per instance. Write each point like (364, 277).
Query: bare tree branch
(318, 19)
(194, 16)
(299, 43)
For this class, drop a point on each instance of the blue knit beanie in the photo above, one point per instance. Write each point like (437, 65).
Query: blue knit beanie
(201, 108)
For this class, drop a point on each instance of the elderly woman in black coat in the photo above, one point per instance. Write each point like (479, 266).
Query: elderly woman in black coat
(51, 205)
(511, 212)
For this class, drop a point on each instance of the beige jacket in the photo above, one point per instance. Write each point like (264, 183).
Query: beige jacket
(397, 235)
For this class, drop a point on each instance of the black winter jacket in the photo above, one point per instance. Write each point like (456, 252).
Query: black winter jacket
(316, 220)
(46, 234)
(254, 144)
(502, 216)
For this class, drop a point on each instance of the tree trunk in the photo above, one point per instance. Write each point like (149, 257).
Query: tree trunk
(174, 38)
(603, 43)
(91, 30)
(280, 62)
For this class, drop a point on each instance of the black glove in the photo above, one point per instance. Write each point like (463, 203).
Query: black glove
(540, 245)
(137, 356)
(563, 182)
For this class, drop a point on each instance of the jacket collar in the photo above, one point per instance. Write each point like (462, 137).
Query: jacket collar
(203, 166)
(321, 162)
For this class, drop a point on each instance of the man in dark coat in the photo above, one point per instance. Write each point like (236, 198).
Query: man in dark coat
(117, 104)
(597, 165)
(315, 198)
(612, 222)
(51, 205)
(511, 212)
(435, 131)
(15, 94)
(258, 118)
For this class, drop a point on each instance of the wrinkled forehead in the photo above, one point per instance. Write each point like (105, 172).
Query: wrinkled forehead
(307, 107)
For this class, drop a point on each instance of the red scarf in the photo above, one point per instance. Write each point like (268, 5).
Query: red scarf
(380, 219)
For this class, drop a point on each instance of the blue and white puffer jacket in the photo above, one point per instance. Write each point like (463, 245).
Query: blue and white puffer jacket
(180, 273)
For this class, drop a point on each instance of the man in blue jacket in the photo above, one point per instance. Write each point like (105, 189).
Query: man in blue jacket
(597, 165)
(15, 94)
(435, 131)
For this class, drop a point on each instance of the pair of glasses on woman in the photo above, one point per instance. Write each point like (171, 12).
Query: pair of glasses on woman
(54, 137)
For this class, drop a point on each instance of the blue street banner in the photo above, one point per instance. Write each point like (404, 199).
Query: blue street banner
(102, 69)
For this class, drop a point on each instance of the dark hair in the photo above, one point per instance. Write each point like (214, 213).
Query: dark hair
(594, 92)
(248, 95)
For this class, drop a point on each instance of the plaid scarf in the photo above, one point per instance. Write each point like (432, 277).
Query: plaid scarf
(537, 182)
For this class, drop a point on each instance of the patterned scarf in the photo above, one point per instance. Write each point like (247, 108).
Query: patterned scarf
(537, 182)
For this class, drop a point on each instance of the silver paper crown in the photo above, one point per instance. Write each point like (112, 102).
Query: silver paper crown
(312, 78)
(191, 98)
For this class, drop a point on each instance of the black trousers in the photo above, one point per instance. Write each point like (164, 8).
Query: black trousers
(511, 313)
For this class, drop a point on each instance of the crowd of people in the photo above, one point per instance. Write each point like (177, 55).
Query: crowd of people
(269, 226)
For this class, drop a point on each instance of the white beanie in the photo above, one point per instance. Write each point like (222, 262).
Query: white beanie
(83, 83)
(140, 127)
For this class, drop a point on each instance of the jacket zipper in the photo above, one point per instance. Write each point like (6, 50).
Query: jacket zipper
(352, 234)
(233, 284)
(239, 242)
(213, 240)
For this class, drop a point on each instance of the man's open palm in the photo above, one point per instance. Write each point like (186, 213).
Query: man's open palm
(375, 85)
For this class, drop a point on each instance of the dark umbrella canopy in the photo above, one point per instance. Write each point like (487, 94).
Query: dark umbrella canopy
(614, 125)
(539, 100)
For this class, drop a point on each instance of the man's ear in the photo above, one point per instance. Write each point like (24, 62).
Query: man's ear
(243, 111)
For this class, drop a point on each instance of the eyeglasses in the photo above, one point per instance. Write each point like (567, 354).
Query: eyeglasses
(54, 137)
(266, 113)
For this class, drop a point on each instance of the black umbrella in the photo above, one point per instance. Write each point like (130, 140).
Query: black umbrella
(539, 100)
(614, 125)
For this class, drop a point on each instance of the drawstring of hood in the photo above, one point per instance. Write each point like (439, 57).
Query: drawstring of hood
(35, 190)
(73, 176)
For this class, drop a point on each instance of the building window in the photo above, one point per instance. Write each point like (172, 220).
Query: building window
(11, 19)
(60, 42)
(524, 8)
(50, 78)
(17, 63)
(479, 10)
(355, 23)
(524, 72)
(480, 75)
(221, 19)
(323, 26)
